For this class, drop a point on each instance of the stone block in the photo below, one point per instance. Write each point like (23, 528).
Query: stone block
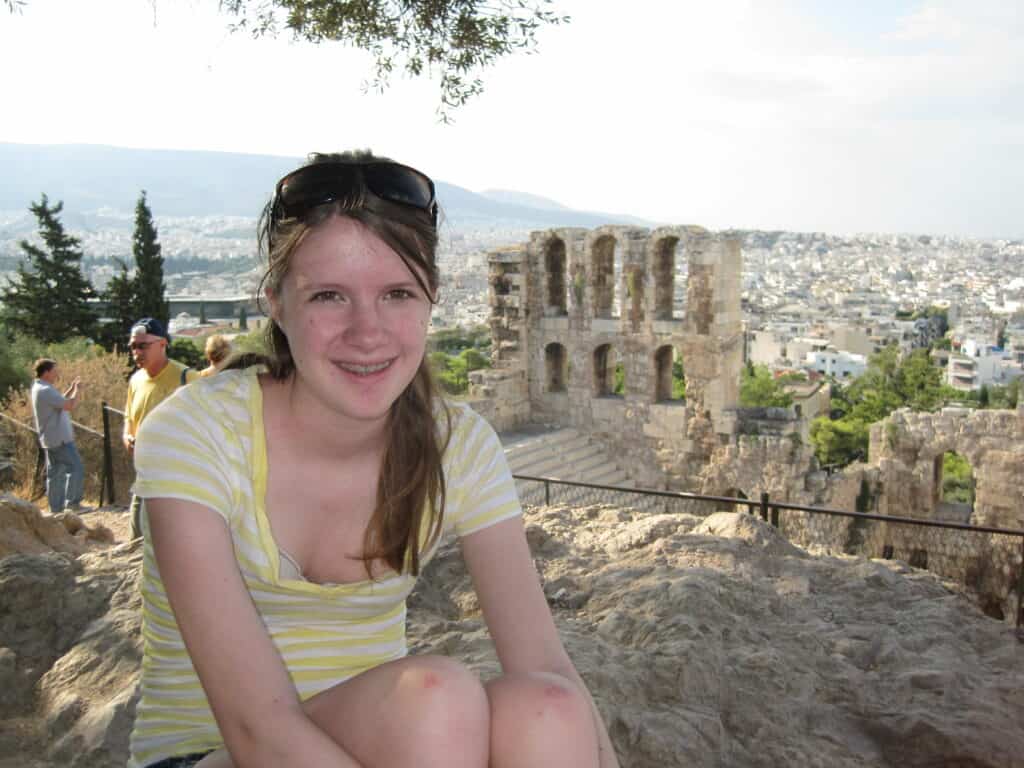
(668, 327)
(554, 323)
(605, 325)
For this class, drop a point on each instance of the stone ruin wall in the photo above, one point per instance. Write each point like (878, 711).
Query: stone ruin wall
(572, 302)
(553, 308)
(903, 478)
(906, 451)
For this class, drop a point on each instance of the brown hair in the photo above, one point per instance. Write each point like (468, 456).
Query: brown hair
(411, 485)
(43, 366)
(217, 349)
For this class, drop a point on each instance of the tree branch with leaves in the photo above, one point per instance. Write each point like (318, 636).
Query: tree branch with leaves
(453, 39)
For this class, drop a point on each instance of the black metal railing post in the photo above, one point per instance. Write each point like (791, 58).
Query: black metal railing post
(775, 517)
(547, 493)
(764, 506)
(38, 477)
(107, 483)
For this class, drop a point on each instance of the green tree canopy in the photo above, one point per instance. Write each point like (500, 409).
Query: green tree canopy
(121, 309)
(759, 389)
(957, 479)
(48, 298)
(452, 371)
(839, 442)
(149, 266)
(889, 383)
(185, 351)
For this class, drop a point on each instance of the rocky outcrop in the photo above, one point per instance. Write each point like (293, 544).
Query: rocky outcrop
(714, 641)
(24, 530)
(706, 642)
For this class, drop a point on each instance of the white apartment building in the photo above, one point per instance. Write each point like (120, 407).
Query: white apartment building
(839, 365)
(977, 365)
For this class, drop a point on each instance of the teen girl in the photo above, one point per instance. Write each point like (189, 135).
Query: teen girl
(292, 504)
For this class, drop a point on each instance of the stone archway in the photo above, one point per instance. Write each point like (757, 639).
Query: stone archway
(605, 365)
(664, 269)
(555, 271)
(669, 378)
(605, 267)
(555, 367)
(953, 486)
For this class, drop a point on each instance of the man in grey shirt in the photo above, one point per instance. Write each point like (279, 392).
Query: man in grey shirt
(65, 475)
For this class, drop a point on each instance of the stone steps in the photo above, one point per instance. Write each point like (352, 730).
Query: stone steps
(563, 454)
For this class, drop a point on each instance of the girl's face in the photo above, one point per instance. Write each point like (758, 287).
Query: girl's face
(355, 318)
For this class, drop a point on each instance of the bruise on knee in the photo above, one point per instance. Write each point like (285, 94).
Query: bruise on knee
(430, 680)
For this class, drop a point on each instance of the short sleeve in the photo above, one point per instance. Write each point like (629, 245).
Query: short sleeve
(128, 418)
(480, 488)
(51, 397)
(179, 454)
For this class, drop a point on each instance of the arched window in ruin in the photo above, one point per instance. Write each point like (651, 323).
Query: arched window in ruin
(681, 278)
(665, 255)
(554, 269)
(954, 485)
(669, 377)
(502, 286)
(605, 267)
(609, 375)
(555, 367)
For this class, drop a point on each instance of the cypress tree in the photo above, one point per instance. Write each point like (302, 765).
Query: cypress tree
(122, 309)
(48, 298)
(149, 273)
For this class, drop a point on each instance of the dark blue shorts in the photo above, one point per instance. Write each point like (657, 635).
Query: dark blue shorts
(181, 761)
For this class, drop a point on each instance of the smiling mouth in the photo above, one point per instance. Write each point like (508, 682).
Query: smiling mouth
(364, 370)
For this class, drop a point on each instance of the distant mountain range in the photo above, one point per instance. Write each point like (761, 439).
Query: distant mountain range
(91, 179)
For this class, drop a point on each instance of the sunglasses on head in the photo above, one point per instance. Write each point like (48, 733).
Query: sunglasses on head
(320, 183)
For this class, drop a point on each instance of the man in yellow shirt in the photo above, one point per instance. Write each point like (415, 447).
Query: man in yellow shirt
(158, 376)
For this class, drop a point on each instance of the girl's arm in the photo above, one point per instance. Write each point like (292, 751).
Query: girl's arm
(252, 697)
(517, 613)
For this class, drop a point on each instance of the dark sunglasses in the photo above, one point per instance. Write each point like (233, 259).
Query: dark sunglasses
(320, 183)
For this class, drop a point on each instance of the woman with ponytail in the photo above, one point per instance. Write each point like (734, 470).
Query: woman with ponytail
(293, 500)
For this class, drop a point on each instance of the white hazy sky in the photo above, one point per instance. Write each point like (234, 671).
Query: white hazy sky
(834, 115)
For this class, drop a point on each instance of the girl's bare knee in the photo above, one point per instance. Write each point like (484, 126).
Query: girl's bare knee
(442, 708)
(538, 702)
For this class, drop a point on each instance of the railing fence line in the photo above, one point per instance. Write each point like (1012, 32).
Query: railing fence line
(769, 512)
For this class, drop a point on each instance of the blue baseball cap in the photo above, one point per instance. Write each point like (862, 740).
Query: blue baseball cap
(152, 326)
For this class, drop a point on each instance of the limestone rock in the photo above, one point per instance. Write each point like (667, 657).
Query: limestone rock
(716, 642)
(69, 629)
(706, 642)
(23, 529)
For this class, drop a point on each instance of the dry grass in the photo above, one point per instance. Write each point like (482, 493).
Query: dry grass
(104, 378)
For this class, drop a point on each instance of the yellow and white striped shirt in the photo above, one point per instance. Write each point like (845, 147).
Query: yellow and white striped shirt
(205, 444)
